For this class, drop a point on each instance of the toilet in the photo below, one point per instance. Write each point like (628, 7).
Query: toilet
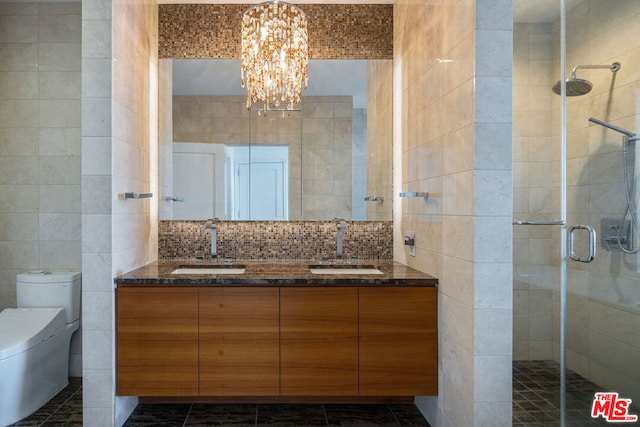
(34, 341)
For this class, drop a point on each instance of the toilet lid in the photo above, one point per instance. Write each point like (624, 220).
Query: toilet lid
(23, 328)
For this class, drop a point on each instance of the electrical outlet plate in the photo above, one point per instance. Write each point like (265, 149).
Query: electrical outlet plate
(410, 240)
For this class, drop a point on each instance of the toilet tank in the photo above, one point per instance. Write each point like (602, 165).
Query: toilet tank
(50, 289)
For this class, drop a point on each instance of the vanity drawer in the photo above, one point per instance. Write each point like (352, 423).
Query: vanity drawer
(319, 341)
(239, 342)
(157, 341)
(398, 341)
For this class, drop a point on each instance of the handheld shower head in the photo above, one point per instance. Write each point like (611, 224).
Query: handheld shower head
(578, 87)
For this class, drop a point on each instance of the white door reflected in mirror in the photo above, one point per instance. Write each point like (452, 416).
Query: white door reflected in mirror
(231, 181)
(197, 168)
(258, 182)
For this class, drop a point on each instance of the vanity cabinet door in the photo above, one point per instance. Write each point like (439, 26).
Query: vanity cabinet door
(398, 341)
(239, 342)
(319, 341)
(157, 341)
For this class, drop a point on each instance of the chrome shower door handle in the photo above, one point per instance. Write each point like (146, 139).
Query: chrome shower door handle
(592, 243)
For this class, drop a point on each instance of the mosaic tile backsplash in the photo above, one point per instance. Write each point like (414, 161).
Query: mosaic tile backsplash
(276, 240)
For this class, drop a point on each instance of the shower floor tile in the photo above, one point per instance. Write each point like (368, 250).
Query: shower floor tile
(536, 396)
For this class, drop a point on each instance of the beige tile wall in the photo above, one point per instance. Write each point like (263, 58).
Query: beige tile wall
(119, 134)
(359, 154)
(379, 136)
(165, 139)
(326, 157)
(452, 72)
(39, 144)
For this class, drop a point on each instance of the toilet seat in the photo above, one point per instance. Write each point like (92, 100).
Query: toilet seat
(24, 328)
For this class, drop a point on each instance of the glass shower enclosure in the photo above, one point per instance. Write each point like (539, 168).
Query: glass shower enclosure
(576, 112)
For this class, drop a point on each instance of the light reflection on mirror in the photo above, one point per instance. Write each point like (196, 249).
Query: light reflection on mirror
(223, 158)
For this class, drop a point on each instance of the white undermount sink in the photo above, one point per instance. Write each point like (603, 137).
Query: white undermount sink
(343, 269)
(209, 269)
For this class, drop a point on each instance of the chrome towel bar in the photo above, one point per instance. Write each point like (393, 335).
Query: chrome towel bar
(535, 222)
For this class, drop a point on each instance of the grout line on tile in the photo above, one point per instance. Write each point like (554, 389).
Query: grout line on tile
(393, 414)
(187, 417)
(326, 418)
(257, 409)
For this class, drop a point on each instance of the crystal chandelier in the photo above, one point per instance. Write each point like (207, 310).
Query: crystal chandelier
(274, 55)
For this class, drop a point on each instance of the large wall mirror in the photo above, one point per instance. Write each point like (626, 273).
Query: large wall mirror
(329, 158)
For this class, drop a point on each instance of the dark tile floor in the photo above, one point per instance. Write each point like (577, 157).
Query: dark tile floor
(536, 396)
(65, 409)
(536, 401)
(276, 415)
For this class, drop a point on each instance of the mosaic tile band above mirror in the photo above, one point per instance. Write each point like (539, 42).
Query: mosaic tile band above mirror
(336, 31)
(276, 240)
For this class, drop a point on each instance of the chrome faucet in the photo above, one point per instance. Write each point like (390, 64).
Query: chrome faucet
(211, 228)
(342, 227)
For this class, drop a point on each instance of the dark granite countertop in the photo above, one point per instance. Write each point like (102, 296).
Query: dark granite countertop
(274, 273)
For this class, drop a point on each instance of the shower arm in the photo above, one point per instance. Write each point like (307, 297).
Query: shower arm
(628, 133)
(613, 67)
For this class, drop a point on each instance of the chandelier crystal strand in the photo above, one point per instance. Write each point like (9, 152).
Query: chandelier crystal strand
(274, 55)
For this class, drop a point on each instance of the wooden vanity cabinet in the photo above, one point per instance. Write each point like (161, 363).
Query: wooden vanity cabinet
(270, 341)
(398, 341)
(239, 341)
(157, 341)
(319, 341)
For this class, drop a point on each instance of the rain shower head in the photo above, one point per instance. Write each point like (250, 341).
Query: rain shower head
(574, 87)
(578, 87)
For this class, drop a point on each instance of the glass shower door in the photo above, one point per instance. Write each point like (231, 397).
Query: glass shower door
(539, 218)
(576, 294)
(603, 296)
